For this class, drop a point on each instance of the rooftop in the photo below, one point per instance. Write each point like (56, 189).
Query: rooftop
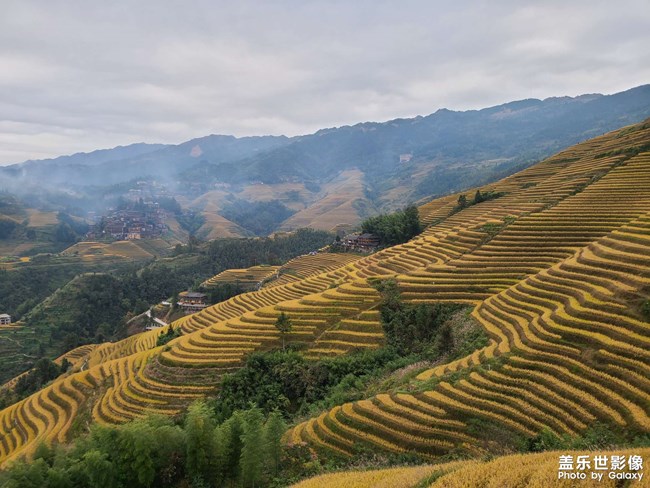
(192, 294)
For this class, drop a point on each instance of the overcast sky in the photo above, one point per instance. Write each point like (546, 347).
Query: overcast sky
(83, 75)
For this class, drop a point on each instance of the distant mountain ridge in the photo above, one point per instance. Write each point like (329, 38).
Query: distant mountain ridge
(99, 156)
(401, 160)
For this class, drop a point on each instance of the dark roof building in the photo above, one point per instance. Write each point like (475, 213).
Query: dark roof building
(192, 301)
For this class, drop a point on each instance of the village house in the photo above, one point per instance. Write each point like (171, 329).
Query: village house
(134, 233)
(368, 241)
(192, 301)
(360, 242)
(5, 319)
(405, 158)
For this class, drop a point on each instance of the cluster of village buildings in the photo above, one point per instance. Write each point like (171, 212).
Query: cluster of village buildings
(145, 223)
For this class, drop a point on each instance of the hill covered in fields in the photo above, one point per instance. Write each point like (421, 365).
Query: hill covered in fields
(334, 177)
(535, 303)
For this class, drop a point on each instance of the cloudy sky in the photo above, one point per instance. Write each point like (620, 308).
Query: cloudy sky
(79, 75)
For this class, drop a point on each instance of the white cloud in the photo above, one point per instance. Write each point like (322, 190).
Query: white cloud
(78, 75)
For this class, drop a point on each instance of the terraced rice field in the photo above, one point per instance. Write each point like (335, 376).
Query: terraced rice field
(77, 356)
(554, 269)
(91, 251)
(308, 265)
(572, 350)
(250, 278)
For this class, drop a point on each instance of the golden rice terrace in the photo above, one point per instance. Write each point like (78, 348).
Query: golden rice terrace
(556, 270)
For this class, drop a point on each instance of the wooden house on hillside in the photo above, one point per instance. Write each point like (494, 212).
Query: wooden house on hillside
(192, 301)
(360, 242)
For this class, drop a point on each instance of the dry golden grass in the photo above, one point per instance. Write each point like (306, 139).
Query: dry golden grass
(266, 192)
(524, 470)
(41, 219)
(211, 201)
(404, 477)
(336, 206)
(90, 250)
(217, 227)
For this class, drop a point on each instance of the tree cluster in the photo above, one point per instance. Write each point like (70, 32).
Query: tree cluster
(168, 335)
(42, 373)
(244, 451)
(223, 291)
(21, 289)
(285, 381)
(395, 228)
(464, 202)
(90, 308)
(415, 328)
(260, 218)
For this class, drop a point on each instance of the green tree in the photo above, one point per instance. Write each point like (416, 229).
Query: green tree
(413, 328)
(252, 453)
(219, 456)
(64, 234)
(44, 452)
(394, 228)
(169, 454)
(174, 302)
(65, 365)
(445, 339)
(231, 438)
(412, 225)
(27, 475)
(100, 471)
(273, 431)
(462, 201)
(284, 326)
(58, 478)
(168, 335)
(137, 449)
(199, 429)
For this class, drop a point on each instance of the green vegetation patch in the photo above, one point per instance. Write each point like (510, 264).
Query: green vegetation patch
(261, 218)
(394, 228)
(244, 450)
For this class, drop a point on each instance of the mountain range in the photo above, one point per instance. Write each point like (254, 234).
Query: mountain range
(336, 176)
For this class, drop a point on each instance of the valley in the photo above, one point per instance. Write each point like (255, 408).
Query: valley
(554, 269)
